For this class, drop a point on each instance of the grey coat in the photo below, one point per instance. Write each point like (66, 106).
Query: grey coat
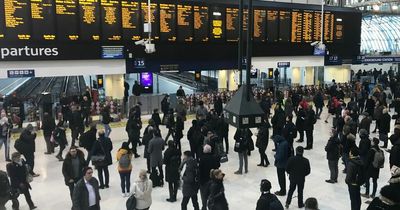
(156, 146)
(190, 185)
(80, 197)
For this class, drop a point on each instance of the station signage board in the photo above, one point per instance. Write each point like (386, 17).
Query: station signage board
(18, 73)
(283, 64)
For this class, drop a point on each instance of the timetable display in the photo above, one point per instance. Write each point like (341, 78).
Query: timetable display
(2, 23)
(317, 22)
(307, 26)
(284, 26)
(154, 19)
(217, 24)
(328, 27)
(200, 14)
(111, 20)
(297, 23)
(272, 25)
(339, 29)
(66, 14)
(232, 24)
(260, 21)
(43, 20)
(131, 24)
(167, 22)
(184, 23)
(17, 18)
(89, 19)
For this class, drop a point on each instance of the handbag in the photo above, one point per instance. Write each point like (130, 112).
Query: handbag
(131, 202)
(29, 177)
(99, 160)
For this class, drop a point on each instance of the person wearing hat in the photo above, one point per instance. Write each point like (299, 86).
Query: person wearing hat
(267, 200)
(384, 127)
(298, 167)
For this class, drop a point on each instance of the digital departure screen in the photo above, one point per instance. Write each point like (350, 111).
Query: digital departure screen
(307, 26)
(232, 24)
(43, 20)
(272, 25)
(167, 22)
(297, 22)
(217, 24)
(329, 27)
(2, 22)
(89, 17)
(185, 23)
(317, 26)
(284, 26)
(339, 28)
(66, 15)
(260, 21)
(17, 19)
(111, 20)
(130, 12)
(200, 15)
(154, 19)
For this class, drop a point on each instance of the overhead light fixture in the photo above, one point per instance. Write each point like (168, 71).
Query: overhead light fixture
(395, 7)
(375, 7)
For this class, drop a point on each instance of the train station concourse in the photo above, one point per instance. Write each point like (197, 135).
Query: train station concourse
(211, 105)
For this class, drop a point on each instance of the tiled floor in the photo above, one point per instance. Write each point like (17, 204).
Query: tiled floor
(242, 192)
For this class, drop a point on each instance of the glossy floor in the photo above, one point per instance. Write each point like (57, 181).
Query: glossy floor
(242, 192)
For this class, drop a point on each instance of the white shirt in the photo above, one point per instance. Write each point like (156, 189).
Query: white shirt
(92, 194)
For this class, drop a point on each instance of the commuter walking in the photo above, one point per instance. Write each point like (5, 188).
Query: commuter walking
(262, 144)
(217, 199)
(61, 138)
(142, 190)
(124, 158)
(5, 127)
(172, 161)
(48, 126)
(165, 108)
(333, 154)
(281, 158)
(28, 148)
(190, 177)
(76, 123)
(156, 146)
(298, 167)
(87, 140)
(72, 168)
(86, 194)
(101, 153)
(86, 108)
(106, 120)
(18, 172)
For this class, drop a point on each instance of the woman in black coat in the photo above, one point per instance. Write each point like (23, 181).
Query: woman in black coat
(217, 199)
(172, 161)
(300, 119)
(61, 138)
(48, 126)
(371, 171)
(133, 127)
(262, 144)
(103, 147)
(243, 143)
(370, 106)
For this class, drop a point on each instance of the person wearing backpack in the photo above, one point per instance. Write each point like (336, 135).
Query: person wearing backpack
(374, 162)
(355, 177)
(267, 200)
(190, 178)
(124, 158)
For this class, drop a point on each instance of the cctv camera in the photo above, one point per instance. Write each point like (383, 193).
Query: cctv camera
(140, 42)
(150, 48)
(314, 43)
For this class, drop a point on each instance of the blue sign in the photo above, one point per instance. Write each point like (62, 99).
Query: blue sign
(379, 59)
(333, 60)
(283, 64)
(139, 63)
(17, 73)
(112, 52)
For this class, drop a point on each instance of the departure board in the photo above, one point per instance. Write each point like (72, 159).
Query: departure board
(185, 23)
(217, 24)
(2, 22)
(130, 11)
(297, 22)
(167, 22)
(66, 15)
(307, 26)
(154, 19)
(272, 25)
(200, 15)
(232, 24)
(317, 26)
(89, 19)
(284, 26)
(328, 27)
(111, 20)
(43, 20)
(260, 21)
(17, 15)
(338, 28)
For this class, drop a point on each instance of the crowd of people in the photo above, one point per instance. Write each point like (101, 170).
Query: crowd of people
(198, 170)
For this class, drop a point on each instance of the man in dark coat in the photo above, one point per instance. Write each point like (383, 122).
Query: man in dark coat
(165, 108)
(300, 119)
(136, 89)
(333, 154)
(195, 139)
(48, 126)
(133, 127)
(180, 92)
(355, 178)
(207, 162)
(371, 170)
(319, 103)
(262, 144)
(190, 179)
(267, 200)
(364, 145)
(82, 197)
(394, 158)
(309, 127)
(86, 108)
(384, 127)
(27, 138)
(281, 158)
(72, 167)
(289, 133)
(172, 161)
(278, 121)
(365, 122)
(87, 139)
(76, 123)
(223, 132)
(298, 168)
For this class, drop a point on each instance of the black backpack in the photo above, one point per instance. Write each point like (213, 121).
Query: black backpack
(131, 203)
(274, 203)
(155, 178)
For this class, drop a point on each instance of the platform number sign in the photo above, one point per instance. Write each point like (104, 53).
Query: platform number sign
(20, 73)
(139, 63)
